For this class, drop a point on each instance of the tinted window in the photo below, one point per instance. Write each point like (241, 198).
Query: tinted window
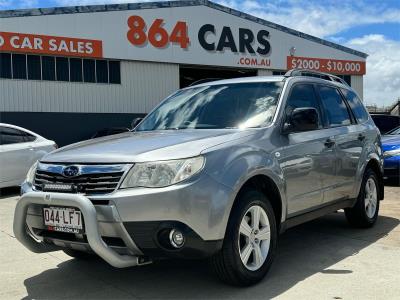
(114, 71)
(11, 136)
(302, 95)
(89, 73)
(356, 106)
(76, 69)
(5, 65)
(335, 108)
(101, 71)
(29, 137)
(394, 131)
(19, 66)
(386, 123)
(62, 69)
(34, 72)
(48, 68)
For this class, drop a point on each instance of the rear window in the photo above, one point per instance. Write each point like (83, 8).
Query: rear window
(356, 106)
(11, 136)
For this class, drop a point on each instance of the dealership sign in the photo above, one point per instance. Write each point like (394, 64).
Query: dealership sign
(54, 45)
(246, 42)
(334, 66)
(191, 35)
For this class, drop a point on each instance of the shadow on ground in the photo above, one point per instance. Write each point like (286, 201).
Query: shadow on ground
(302, 252)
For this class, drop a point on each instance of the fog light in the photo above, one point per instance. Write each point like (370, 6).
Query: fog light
(176, 238)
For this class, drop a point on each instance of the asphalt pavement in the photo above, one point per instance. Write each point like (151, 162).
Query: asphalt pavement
(323, 259)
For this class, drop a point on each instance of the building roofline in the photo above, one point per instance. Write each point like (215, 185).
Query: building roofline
(165, 4)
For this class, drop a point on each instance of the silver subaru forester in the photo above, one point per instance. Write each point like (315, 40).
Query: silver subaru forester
(216, 171)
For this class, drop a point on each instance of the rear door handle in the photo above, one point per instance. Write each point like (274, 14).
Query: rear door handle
(329, 143)
(361, 137)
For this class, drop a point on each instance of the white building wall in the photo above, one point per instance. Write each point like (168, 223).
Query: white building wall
(357, 85)
(143, 85)
(261, 72)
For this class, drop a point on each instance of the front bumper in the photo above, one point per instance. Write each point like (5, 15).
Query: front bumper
(136, 217)
(88, 210)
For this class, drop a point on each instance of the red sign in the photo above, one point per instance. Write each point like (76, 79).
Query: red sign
(55, 45)
(156, 35)
(334, 66)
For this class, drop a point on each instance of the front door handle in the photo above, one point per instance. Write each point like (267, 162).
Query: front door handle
(329, 143)
(361, 137)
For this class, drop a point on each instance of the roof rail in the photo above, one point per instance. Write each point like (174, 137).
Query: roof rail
(311, 73)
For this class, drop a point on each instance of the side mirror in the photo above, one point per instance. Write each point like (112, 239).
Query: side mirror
(301, 119)
(136, 122)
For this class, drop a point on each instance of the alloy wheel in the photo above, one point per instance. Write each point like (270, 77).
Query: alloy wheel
(371, 197)
(254, 238)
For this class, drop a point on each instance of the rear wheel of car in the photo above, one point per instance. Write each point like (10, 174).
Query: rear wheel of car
(250, 241)
(365, 212)
(78, 254)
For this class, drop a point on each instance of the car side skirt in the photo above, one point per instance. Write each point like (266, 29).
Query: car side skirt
(316, 213)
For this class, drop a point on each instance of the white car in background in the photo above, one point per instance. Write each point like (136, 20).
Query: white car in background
(19, 150)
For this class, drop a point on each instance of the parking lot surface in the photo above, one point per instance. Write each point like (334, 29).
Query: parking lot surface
(323, 259)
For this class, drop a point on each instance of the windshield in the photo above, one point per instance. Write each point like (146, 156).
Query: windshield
(239, 105)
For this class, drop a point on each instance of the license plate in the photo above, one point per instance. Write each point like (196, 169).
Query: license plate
(64, 219)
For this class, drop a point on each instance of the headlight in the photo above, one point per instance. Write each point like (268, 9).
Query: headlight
(31, 173)
(162, 173)
(391, 153)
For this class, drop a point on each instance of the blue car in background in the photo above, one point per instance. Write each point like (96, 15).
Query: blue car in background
(391, 152)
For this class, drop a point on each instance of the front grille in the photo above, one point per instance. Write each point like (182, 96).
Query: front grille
(89, 183)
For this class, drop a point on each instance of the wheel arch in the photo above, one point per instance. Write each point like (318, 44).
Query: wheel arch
(270, 189)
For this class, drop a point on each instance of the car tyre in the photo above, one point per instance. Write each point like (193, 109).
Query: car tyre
(233, 264)
(365, 212)
(78, 254)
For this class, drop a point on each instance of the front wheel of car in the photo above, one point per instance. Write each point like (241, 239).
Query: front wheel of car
(365, 212)
(250, 241)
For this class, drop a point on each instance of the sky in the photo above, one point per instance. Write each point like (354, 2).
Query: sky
(371, 26)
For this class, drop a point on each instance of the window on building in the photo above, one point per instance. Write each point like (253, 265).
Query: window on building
(114, 71)
(5, 65)
(19, 66)
(335, 108)
(34, 72)
(35, 67)
(62, 69)
(89, 70)
(75, 65)
(48, 68)
(101, 71)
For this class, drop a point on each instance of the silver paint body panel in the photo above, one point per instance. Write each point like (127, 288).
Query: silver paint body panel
(306, 173)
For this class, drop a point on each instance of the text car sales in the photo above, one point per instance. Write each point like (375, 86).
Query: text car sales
(54, 45)
(44, 44)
